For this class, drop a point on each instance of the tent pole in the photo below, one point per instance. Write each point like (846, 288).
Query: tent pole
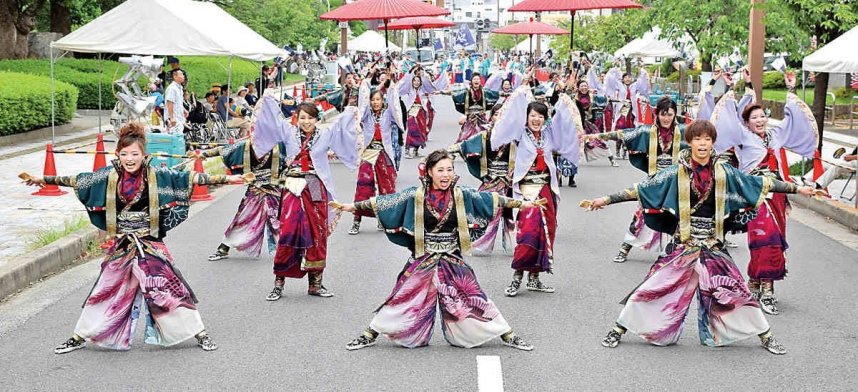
(804, 92)
(229, 75)
(53, 104)
(100, 76)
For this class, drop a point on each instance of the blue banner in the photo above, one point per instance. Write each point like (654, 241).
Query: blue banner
(464, 36)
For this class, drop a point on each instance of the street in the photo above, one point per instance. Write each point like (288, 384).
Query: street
(298, 342)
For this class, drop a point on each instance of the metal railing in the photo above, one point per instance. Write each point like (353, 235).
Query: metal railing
(830, 108)
(852, 111)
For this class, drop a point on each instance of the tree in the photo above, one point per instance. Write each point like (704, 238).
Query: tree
(285, 22)
(603, 33)
(501, 42)
(17, 20)
(827, 20)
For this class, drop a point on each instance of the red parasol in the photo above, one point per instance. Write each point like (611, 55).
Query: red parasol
(384, 10)
(571, 6)
(417, 23)
(530, 28)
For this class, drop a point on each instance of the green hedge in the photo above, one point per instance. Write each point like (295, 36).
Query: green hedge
(85, 74)
(773, 80)
(25, 102)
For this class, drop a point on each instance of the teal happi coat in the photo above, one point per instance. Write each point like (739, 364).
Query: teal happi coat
(642, 143)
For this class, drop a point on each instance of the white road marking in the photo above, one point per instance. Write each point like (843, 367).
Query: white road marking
(489, 373)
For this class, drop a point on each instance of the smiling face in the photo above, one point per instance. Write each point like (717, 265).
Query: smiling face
(416, 82)
(131, 157)
(475, 82)
(584, 88)
(306, 122)
(701, 148)
(535, 120)
(757, 122)
(376, 102)
(442, 174)
(665, 118)
(506, 85)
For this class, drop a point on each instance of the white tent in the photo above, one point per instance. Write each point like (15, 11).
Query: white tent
(838, 56)
(648, 46)
(169, 27)
(370, 41)
(524, 46)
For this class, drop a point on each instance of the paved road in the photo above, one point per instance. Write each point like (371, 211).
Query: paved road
(298, 342)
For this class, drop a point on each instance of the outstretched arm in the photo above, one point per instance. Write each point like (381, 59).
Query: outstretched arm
(629, 194)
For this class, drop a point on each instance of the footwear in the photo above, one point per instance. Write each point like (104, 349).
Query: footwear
(536, 285)
(512, 290)
(612, 339)
(321, 291)
(768, 303)
(572, 183)
(70, 345)
(355, 228)
(378, 225)
(361, 342)
(613, 162)
(218, 255)
(275, 293)
(516, 342)
(206, 343)
(623, 255)
(773, 346)
(407, 154)
(754, 288)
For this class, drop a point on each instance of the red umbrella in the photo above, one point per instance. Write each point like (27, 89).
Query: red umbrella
(417, 23)
(530, 28)
(384, 10)
(571, 6)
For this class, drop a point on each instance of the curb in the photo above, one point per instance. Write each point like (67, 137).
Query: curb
(29, 268)
(840, 212)
(22, 271)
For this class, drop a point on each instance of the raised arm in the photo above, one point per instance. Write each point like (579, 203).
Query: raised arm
(512, 118)
(565, 128)
(346, 138)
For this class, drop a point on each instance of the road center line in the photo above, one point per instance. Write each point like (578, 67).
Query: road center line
(489, 373)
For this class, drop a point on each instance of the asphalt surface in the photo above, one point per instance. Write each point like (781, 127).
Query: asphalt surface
(298, 343)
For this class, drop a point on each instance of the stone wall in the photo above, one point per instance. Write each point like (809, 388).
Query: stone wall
(40, 44)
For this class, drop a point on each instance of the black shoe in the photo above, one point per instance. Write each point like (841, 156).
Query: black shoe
(69, 346)
(275, 293)
(512, 290)
(768, 303)
(612, 339)
(572, 183)
(206, 343)
(361, 342)
(355, 228)
(536, 285)
(218, 255)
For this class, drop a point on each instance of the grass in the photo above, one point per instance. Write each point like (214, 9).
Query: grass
(44, 237)
(780, 96)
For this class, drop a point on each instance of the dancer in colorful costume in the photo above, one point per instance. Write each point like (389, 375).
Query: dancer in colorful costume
(379, 111)
(524, 123)
(259, 209)
(651, 148)
(433, 222)
(492, 167)
(136, 205)
(760, 151)
(622, 92)
(474, 103)
(306, 221)
(697, 199)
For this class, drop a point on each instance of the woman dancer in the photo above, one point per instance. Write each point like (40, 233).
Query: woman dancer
(593, 124)
(759, 150)
(417, 117)
(651, 148)
(523, 123)
(492, 167)
(697, 199)
(376, 172)
(432, 221)
(305, 219)
(137, 205)
(473, 102)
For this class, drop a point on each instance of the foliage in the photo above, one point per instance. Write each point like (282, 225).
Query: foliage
(501, 41)
(844, 93)
(674, 77)
(773, 80)
(286, 22)
(603, 33)
(25, 102)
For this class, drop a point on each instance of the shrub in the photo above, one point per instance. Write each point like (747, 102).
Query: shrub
(773, 80)
(674, 77)
(844, 93)
(25, 102)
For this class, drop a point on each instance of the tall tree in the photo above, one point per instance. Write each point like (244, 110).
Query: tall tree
(501, 41)
(603, 33)
(827, 20)
(17, 20)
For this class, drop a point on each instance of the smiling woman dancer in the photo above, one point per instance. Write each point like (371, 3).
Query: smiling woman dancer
(696, 199)
(432, 221)
(136, 204)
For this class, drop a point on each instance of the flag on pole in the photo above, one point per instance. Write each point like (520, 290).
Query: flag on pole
(438, 44)
(464, 36)
(779, 64)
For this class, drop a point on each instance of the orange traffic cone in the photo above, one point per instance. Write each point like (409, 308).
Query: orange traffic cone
(201, 192)
(295, 92)
(304, 93)
(50, 170)
(817, 165)
(100, 159)
(295, 118)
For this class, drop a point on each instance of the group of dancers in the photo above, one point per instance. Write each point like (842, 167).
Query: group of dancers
(720, 174)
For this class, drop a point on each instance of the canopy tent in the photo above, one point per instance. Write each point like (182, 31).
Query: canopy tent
(648, 46)
(838, 56)
(524, 45)
(169, 27)
(371, 41)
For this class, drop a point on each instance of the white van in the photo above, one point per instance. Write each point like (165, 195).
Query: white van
(426, 57)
